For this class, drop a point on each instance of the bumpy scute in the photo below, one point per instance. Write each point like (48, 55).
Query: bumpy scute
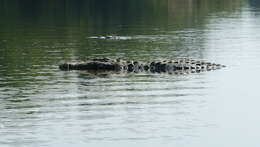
(107, 64)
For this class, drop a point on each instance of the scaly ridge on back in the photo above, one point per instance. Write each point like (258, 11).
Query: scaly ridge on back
(107, 64)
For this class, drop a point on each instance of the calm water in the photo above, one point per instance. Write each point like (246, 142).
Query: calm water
(43, 106)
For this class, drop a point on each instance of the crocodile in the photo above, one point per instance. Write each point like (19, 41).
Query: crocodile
(180, 65)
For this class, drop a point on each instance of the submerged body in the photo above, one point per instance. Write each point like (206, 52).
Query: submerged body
(177, 65)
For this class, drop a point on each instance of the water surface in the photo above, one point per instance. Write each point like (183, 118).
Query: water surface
(43, 106)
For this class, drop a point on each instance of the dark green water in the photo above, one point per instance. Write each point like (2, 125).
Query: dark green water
(43, 106)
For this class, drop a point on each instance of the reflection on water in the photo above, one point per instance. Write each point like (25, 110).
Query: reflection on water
(43, 106)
